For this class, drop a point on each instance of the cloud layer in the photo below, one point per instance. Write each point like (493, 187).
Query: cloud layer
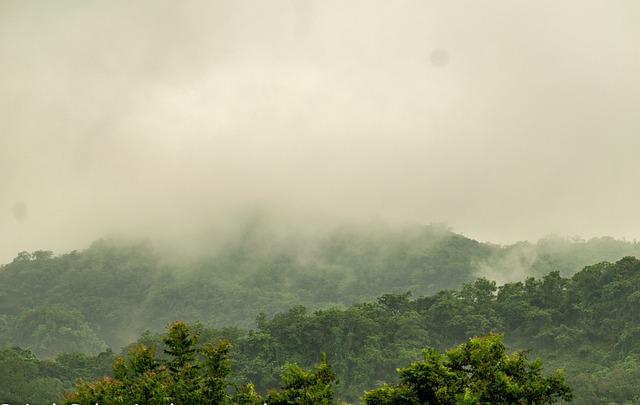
(507, 120)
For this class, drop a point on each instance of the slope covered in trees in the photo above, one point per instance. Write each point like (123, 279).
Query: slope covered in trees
(586, 324)
(479, 371)
(110, 293)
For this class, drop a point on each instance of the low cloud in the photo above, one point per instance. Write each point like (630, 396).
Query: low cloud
(156, 117)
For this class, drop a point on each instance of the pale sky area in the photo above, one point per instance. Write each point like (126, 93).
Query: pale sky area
(509, 120)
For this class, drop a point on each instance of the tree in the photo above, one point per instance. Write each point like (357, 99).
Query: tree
(24, 380)
(395, 303)
(191, 375)
(477, 372)
(313, 387)
(52, 329)
(195, 375)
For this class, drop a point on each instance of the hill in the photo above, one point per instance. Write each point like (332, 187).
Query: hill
(108, 294)
(586, 324)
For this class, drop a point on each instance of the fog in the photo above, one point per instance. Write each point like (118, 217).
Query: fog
(507, 120)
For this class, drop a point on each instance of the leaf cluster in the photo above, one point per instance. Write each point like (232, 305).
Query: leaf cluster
(477, 372)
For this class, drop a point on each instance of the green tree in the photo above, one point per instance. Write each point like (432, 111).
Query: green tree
(477, 372)
(195, 375)
(23, 378)
(52, 329)
(313, 387)
(191, 375)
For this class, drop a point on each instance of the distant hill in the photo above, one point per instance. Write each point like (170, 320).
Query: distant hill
(111, 292)
(586, 324)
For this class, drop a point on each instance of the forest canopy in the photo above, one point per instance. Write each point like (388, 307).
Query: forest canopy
(476, 372)
(65, 316)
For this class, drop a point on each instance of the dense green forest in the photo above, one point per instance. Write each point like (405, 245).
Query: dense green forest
(108, 294)
(189, 373)
(371, 297)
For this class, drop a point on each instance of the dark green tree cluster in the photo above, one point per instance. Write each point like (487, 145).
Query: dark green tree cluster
(116, 285)
(26, 379)
(312, 387)
(477, 372)
(586, 323)
(190, 374)
(559, 318)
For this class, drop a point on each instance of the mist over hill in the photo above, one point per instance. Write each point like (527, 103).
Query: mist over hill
(118, 287)
(240, 165)
(585, 323)
(164, 118)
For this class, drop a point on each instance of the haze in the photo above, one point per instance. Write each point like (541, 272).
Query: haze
(508, 120)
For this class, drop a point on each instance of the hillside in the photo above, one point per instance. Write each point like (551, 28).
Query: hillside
(586, 324)
(110, 293)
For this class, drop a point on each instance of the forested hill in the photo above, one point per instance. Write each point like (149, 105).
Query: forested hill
(113, 291)
(587, 324)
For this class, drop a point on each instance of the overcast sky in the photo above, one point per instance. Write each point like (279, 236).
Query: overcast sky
(509, 120)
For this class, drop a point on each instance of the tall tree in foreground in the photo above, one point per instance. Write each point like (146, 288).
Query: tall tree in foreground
(191, 376)
(477, 372)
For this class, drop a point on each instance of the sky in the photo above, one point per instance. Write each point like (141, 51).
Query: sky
(508, 120)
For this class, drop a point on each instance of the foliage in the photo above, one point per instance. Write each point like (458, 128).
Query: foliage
(26, 379)
(477, 372)
(119, 288)
(49, 330)
(585, 322)
(190, 375)
(313, 387)
(195, 374)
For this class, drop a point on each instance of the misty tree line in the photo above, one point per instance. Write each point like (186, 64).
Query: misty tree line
(479, 371)
(587, 324)
(69, 309)
(115, 290)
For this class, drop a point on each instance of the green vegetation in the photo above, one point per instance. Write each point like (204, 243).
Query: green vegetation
(27, 380)
(279, 303)
(112, 292)
(477, 372)
(191, 375)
